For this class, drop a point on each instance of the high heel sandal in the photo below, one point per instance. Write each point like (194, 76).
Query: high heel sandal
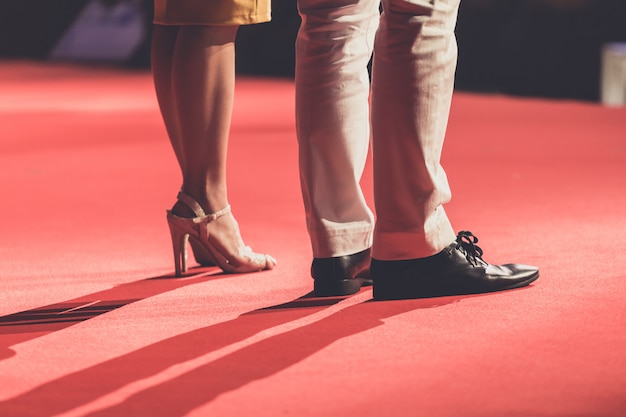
(212, 245)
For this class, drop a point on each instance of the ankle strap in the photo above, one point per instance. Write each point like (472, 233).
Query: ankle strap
(219, 213)
(193, 205)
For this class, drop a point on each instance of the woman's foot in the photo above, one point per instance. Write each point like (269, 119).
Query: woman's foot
(225, 238)
(215, 239)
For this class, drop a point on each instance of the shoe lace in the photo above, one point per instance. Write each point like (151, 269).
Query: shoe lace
(466, 243)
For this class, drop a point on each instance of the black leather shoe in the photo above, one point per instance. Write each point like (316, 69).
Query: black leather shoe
(341, 275)
(458, 269)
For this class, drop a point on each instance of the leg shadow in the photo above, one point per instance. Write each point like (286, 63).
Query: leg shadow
(76, 389)
(261, 360)
(204, 383)
(31, 324)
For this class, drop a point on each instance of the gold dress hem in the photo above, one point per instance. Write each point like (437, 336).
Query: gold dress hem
(211, 12)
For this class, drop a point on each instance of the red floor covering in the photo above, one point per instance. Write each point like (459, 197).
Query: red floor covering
(93, 324)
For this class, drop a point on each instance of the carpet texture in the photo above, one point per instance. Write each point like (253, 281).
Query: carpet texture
(92, 322)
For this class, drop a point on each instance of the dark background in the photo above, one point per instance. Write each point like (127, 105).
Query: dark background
(543, 48)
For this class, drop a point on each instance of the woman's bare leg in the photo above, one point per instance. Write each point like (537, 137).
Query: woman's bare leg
(194, 76)
(203, 75)
(194, 73)
(162, 56)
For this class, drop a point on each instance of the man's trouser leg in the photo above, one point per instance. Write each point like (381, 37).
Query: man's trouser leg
(413, 78)
(333, 49)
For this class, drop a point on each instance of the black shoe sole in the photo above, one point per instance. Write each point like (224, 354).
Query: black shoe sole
(402, 288)
(323, 288)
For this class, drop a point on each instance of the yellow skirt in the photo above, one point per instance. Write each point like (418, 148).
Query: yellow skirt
(211, 12)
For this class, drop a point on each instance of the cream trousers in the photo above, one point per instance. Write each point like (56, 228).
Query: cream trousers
(404, 110)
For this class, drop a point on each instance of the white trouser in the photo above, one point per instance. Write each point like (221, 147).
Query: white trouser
(412, 81)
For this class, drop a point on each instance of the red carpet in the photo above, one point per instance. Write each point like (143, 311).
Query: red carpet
(93, 324)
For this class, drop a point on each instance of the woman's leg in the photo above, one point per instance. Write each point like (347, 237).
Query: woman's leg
(203, 84)
(162, 56)
(194, 73)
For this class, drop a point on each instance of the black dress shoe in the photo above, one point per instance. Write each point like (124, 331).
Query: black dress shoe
(341, 275)
(458, 269)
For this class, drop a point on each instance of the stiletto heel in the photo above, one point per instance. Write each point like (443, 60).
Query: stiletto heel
(211, 242)
(179, 245)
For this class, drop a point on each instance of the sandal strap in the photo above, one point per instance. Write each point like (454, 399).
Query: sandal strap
(219, 213)
(194, 206)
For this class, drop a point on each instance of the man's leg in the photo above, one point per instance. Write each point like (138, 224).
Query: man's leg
(333, 48)
(416, 252)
